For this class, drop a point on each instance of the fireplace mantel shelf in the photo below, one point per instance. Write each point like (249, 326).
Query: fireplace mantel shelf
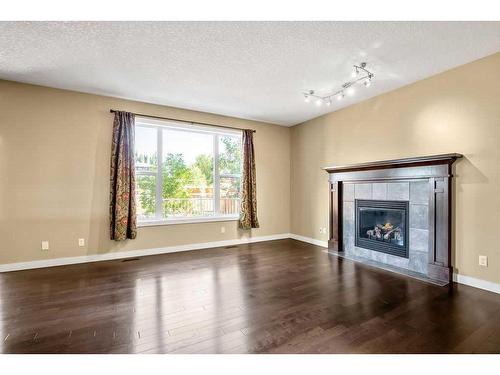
(396, 163)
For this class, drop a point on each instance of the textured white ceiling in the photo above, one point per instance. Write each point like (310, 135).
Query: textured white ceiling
(253, 70)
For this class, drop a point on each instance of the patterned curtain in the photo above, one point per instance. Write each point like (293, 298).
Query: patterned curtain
(248, 211)
(122, 193)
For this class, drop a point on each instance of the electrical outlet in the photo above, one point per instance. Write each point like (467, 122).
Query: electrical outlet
(223, 229)
(322, 230)
(81, 242)
(483, 260)
(45, 245)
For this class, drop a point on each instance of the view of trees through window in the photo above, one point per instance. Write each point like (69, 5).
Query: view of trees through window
(200, 173)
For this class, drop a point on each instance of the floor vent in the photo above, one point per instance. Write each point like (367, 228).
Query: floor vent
(130, 260)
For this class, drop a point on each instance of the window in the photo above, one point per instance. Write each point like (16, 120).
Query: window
(186, 173)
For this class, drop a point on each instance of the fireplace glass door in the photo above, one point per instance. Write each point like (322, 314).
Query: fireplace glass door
(382, 226)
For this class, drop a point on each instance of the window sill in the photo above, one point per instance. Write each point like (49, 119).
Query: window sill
(194, 220)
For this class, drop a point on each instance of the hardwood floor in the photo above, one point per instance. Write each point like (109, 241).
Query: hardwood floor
(271, 297)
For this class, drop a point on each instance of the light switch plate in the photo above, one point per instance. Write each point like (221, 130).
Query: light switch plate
(483, 260)
(45, 245)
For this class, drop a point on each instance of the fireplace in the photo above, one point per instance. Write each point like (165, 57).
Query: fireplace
(395, 214)
(382, 226)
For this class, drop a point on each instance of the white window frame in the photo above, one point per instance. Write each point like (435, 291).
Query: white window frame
(159, 125)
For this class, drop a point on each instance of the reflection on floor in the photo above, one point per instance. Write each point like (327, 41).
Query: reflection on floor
(271, 297)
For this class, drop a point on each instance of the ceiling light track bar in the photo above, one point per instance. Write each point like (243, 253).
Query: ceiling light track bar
(360, 73)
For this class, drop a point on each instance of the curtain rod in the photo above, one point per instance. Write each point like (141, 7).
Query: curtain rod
(180, 120)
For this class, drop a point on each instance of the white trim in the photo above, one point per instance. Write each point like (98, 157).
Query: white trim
(310, 240)
(476, 283)
(136, 253)
(460, 279)
(185, 220)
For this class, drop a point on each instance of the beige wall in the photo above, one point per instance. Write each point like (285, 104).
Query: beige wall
(54, 175)
(457, 111)
(54, 160)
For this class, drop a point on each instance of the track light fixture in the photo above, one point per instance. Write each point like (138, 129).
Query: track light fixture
(308, 95)
(355, 72)
(359, 73)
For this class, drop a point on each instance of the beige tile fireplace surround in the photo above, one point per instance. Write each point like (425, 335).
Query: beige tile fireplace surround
(416, 192)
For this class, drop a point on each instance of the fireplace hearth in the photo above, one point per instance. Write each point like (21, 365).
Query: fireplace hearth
(382, 226)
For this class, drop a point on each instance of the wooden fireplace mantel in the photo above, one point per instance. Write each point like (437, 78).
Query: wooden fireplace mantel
(436, 169)
(397, 163)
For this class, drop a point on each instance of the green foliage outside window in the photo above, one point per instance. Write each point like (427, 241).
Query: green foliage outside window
(178, 177)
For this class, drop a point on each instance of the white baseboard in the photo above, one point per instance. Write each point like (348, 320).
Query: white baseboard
(476, 283)
(135, 253)
(461, 279)
(310, 240)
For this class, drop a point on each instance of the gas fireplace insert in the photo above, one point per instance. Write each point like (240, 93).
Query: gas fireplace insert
(382, 226)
